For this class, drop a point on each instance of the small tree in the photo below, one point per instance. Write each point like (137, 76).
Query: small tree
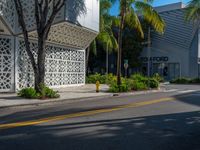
(44, 19)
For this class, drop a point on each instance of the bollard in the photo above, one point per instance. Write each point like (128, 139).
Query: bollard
(97, 86)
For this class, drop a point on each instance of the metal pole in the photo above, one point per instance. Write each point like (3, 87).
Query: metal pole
(198, 71)
(149, 55)
(107, 63)
(107, 59)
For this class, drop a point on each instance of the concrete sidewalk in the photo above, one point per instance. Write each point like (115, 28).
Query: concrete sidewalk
(69, 95)
(66, 94)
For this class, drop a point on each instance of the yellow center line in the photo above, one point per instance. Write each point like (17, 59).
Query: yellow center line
(82, 114)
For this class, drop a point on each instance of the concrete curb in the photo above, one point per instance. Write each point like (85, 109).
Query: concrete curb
(74, 100)
(52, 101)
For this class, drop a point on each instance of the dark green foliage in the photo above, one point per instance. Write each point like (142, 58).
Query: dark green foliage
(50, 93)
(158, 77)
(138, 86)
(124, 87)
(31, 93)
(138, 77)
(181, 81)
(186, 81)
(142, 81)
(153, 83)
(136, 82)
(28, 93)
(103, 79)
(196, 80)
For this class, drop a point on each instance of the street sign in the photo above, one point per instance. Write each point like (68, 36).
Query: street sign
(126, 63)
(126, 66)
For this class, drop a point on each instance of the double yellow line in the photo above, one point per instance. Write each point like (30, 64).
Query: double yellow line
(82, 114)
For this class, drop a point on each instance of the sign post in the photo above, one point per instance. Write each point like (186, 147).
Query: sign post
(126, 66)
(198, 56)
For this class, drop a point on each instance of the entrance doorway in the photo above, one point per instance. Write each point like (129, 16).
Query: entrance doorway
(168, 71)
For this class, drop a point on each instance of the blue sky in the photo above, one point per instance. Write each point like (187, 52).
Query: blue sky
(114, 10)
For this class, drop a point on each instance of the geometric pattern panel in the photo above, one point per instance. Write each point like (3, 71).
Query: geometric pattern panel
(7, 12)
(29, 14)
(6, 67)
(63, 66)
(71, 35)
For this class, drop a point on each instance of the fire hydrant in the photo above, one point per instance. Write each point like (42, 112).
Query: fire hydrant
(97, 86)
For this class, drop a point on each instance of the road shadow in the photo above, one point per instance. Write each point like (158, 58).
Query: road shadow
(192, 98)
(180, 131)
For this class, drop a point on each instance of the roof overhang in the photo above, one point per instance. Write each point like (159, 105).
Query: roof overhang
(69, 34)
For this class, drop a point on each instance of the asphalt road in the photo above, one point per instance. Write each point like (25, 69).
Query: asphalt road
(167, 120)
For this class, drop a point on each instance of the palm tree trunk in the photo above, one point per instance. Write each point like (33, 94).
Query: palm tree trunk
(119, 58)
(107, 59)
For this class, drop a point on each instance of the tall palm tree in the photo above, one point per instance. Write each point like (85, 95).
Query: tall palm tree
(192, 13)
(130, 12)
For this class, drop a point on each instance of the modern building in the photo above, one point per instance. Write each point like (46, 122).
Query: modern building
(75, 26)
(175, 53)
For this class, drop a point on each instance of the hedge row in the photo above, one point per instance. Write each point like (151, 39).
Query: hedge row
(136, 82)
(186, 81)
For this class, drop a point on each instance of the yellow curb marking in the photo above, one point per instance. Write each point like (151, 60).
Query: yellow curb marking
(81, 114)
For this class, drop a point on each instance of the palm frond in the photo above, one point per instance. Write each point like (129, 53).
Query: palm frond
(151, 16)
(192, 12)
(133, 21)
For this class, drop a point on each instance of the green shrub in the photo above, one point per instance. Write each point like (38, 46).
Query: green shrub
(141, 82)
(181, 81)
(135, 82)
(138, 86)
(186, 81)
(138, 77)
(50, 93)
(28, 93)
(94, 78)
(31, 93)
(196, 80)
(158, 77)
(103, 79)
(153, 83)
(124, 87)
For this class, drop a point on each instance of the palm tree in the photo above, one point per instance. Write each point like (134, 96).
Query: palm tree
(106, 36)
(130, 12)
(192, 14)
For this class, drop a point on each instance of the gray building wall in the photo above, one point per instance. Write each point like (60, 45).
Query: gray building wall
(178, 43)
(193, 66)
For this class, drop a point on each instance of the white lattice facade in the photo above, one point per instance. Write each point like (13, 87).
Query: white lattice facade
(63, 66)
(70, 35)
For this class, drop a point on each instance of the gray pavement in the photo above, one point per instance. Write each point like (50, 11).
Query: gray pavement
(168, 125)
(66, 94)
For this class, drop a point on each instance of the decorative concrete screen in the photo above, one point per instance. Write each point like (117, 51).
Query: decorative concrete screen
(7, 12)
(64, 66)
(6, 64)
